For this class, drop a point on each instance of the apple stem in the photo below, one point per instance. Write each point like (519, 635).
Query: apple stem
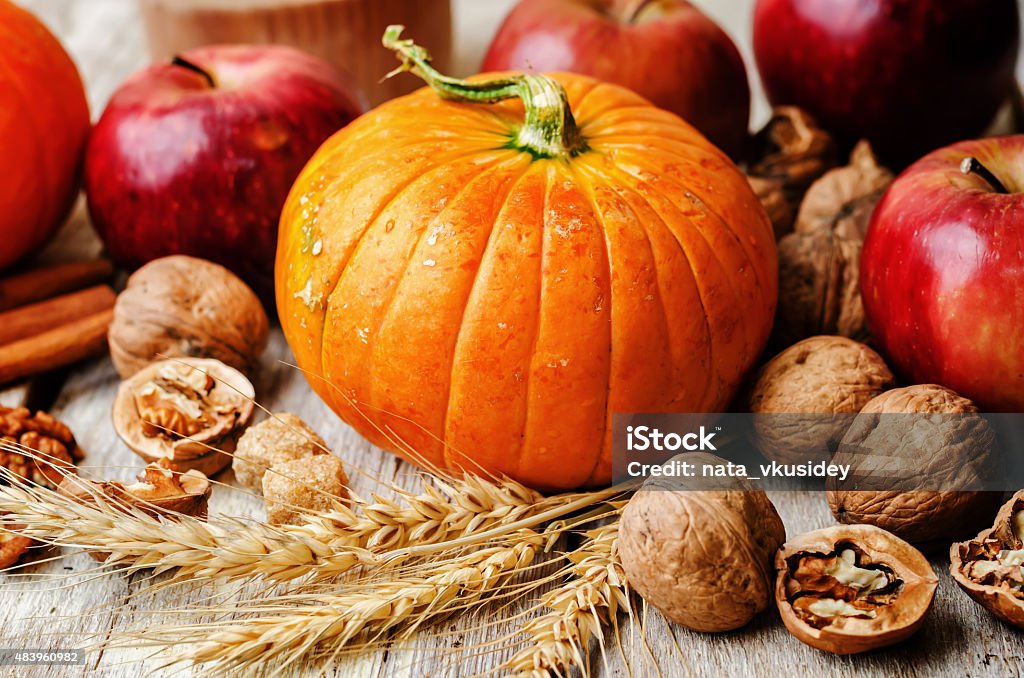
(972, 165)
(549, 131)
(185, 63)
(633, 12)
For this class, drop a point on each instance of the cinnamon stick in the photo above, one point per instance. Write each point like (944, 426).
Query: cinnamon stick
(34, 319)
(49, 281)
(58, 347)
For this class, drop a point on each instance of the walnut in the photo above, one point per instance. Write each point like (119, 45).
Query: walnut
(794, 151)
(12, 545)
(161, 490)
(190, 411)
(302, 486)
(909, 472)
(771, 191)
(703, 557)
(281, 438)
(850, 589)
(180, 306)
(804, 398)
(819, 264)
(990, 567)
(843, 200)
(49, 439)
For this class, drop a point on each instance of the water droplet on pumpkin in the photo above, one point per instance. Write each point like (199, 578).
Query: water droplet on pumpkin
(389, 226)
(429, 262)
(318, 247)
(432, 240)
(364, 334)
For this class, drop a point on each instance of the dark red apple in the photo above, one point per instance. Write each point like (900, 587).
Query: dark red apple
(908, 75)
(942, 272)
(665, 50)
(196, 156)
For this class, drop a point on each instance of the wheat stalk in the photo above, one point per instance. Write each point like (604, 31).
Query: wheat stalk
(324, 546)
(396, 608)
(579, 609)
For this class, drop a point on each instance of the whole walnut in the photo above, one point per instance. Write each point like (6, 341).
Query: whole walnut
(805, 398)
(701, 556)
(913, 452)
(180, 306)
(819, 263)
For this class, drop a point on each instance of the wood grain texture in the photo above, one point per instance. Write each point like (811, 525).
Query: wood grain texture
(55, 603)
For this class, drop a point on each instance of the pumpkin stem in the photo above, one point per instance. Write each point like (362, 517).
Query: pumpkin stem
(549, 131)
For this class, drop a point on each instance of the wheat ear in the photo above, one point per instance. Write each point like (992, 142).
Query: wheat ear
(325, 546)
(579, 609)
(396, 608)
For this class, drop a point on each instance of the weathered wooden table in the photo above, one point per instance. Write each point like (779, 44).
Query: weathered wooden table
(56, 602)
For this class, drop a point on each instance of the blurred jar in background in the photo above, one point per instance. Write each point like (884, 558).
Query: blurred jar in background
(346, 33)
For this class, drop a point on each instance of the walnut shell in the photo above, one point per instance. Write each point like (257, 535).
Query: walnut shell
(180, 306)
(819, 376)
(843, 199)
(792, 150)
(852, 588)
(282, 438)
(190, 411)
(819, 288)
(819, 264)
(302, 486)
(988, 566)
(702, 557)
(890, 445)
(160, 491)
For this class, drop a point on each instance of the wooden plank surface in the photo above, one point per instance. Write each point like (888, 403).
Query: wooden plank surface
(64, 600)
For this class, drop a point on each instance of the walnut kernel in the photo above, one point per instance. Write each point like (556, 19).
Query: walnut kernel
(50, 439)
(190, 411)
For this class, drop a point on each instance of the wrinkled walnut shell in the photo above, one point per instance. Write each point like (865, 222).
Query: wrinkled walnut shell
(804, 571)
(843, 200)
(1001, 590)
(304, 486)
(819, 376)
(819, 288)
(180, 306)
(889, 447)
(282, 438)
(792, 151)
(819, 264)
(155, 412)
(702, 557)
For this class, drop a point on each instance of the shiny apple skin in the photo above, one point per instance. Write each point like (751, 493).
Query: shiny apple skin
(175, 166)
(909, 75)
(672, 54)
(942, 274)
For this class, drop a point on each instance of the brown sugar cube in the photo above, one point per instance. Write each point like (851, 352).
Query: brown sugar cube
(301, 486)
(281, 438)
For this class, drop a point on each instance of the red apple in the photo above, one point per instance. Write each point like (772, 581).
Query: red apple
(196, 156)
(665, 50)
(942, 272)
(909, 75)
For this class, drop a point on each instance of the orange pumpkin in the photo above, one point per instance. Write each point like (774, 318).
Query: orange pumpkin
(475, 290)
(44, 122)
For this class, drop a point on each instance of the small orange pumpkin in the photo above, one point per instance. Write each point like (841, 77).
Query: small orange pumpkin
(44, 122)
(479, 292)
